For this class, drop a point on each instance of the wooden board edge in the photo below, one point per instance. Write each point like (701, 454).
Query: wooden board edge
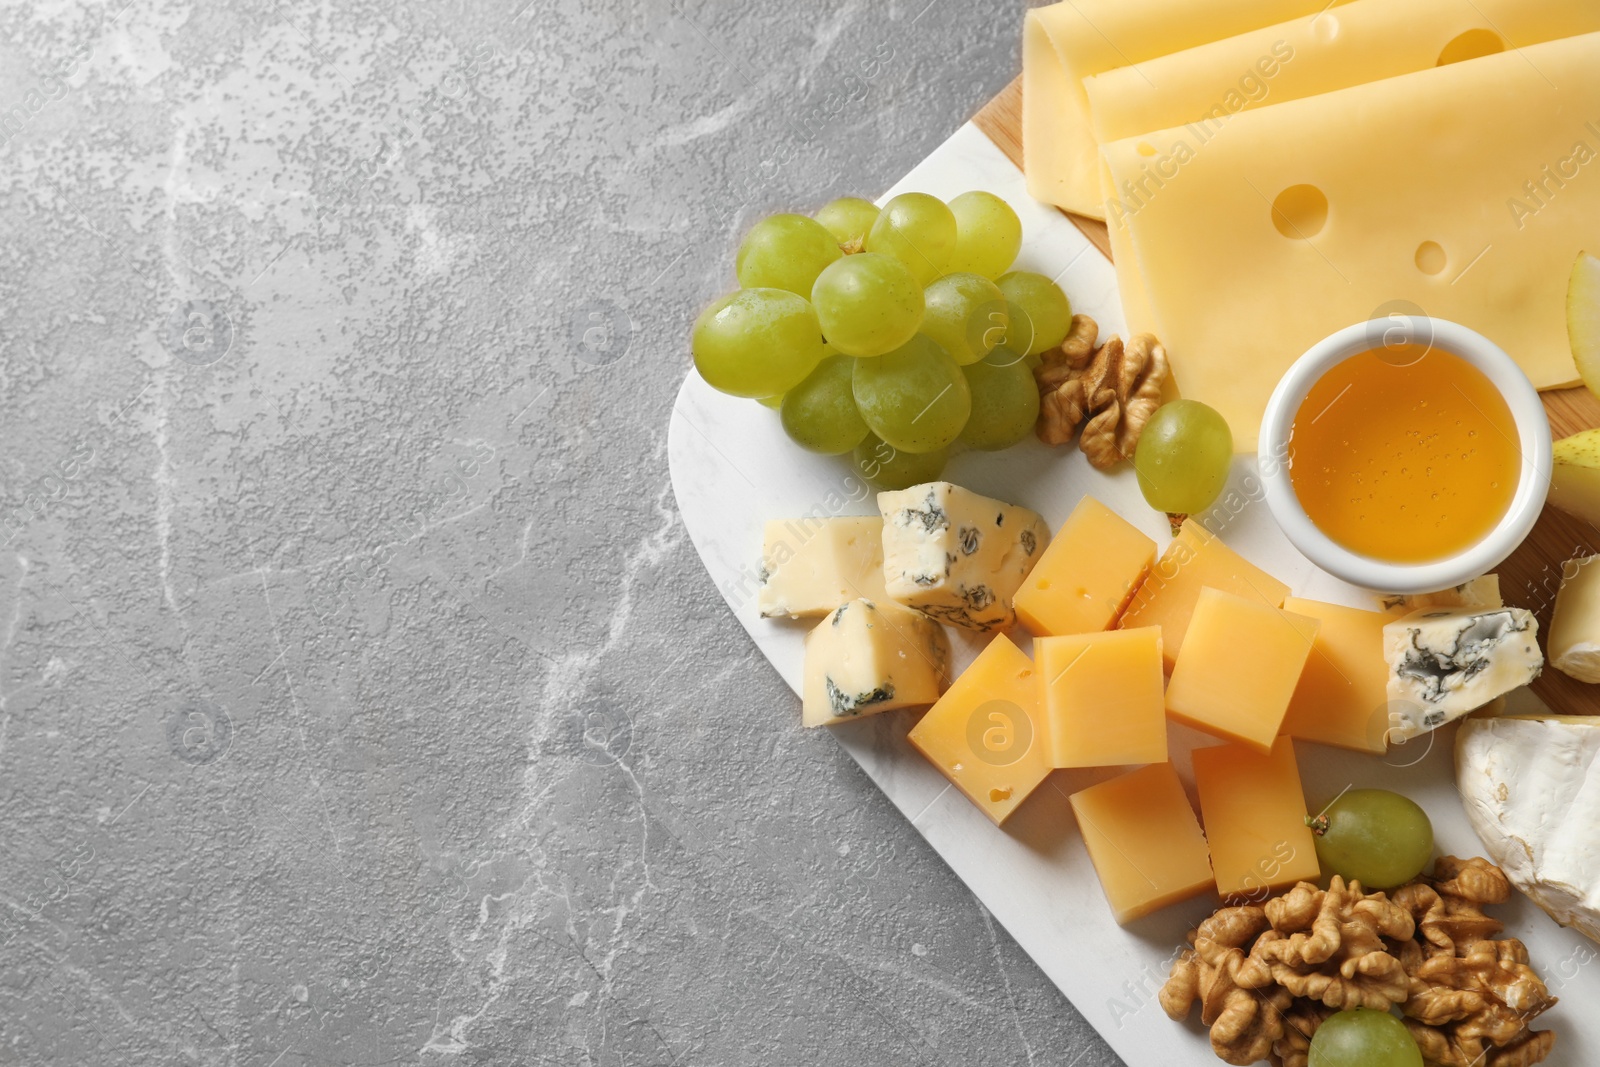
(1001, 120)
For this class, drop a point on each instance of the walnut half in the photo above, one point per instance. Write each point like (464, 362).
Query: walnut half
(1115, 386)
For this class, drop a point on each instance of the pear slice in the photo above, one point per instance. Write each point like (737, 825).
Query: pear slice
(1575, 475)
(1583, 318)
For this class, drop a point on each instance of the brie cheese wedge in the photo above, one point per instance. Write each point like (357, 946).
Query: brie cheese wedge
(1531, 787)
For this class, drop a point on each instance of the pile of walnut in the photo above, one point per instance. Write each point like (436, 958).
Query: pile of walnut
(1266, 977)
(1115, 386)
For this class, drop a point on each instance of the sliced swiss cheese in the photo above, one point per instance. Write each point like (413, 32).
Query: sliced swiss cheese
(1066, 42)
(1462, 192)
(1364, 41)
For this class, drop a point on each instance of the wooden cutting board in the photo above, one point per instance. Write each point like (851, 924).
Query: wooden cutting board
(1532, 575)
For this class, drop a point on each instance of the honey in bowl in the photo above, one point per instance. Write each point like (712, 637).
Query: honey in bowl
(1405, 455)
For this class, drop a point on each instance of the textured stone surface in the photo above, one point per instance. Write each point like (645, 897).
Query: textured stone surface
(361, 698)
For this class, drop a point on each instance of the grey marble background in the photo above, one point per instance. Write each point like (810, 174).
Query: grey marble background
(362, 700)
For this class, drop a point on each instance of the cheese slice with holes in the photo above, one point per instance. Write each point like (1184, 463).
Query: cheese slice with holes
(1464, 192)
(1364, 41)
(1066, 42)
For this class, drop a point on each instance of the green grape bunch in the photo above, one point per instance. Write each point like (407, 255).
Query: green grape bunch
(886, 334)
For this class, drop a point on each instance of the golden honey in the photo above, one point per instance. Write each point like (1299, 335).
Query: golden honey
(1405, 455)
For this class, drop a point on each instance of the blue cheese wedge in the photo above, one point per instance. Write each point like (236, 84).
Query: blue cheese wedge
(865, 658)
(958, 556)
(810, 566)
(1445, 663)
(1482, 592)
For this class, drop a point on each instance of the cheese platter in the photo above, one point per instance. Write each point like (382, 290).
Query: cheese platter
(1152, 724)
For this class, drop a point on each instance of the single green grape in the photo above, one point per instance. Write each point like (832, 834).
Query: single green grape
(1005, 356)
(1040, 312)
(820, 413)
(1005, 401)
(773, 402)
(1183, 456)
(848, 219)
(919, 231)
(988, 234)
(965, 315)
(785, 252)
(757, 342)
(887, 468)
(1363, 1038)
(1381, 839)
(867, 304)
(915, 398)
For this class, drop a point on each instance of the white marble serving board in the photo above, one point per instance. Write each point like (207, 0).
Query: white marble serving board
(733, 469)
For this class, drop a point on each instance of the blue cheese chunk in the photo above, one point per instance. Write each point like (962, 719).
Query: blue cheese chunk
(958, 556)
(865, 658)
(1445, 663)
(1482, 592)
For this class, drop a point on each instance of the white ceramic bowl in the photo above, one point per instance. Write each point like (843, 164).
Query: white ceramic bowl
(1533, 430)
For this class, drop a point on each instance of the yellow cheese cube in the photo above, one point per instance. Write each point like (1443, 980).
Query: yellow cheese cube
(1102, 697)
(1239, 667)
(1144, 841)
(1195, 559)
(811, 566)
(1255, 815)
(986, 734)
(865, 658)
(1087, 575)
(1342, 698)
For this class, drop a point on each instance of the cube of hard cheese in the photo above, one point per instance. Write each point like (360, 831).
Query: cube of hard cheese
(865, 658)
(1239, 667)
(811, 566)
(956, 555)
(1342, 698)
(1144, 841)
(1446, 663)
(1087, 575)
(1196, 559)
(1255, 816)
(986, 734)
(1102, 697)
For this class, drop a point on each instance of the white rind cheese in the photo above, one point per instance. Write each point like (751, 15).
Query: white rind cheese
(958, 556)
(1575, 627)
(811, 566)
(865, 658)
(1444, 663)
(1531, 788)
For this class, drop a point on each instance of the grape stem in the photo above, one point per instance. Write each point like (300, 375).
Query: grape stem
(1176, 519)
(1318, 824)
